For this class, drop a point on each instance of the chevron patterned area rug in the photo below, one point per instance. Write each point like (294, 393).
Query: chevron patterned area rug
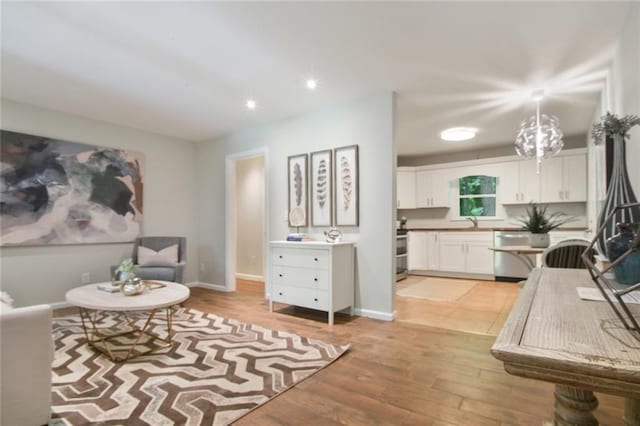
(217, 370)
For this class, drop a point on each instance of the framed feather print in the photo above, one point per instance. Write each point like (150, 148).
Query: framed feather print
(321, 199)
(297, 172)
(346, 178)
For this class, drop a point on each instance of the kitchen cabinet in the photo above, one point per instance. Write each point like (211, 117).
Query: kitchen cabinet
(519, 184)
(417, 248)
(564, 179)
(314, 275)
(432, 189)
(467, 252)
(424, 254)
(433, 251)
(406, 189)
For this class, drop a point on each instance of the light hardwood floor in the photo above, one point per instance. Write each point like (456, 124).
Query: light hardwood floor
(396, 373)
(482, 310)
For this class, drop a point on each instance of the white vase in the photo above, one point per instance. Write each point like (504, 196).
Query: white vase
(539, 240)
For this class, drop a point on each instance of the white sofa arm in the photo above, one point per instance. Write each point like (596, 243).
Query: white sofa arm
(26, 354)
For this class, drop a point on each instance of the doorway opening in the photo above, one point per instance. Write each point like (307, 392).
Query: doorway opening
(246, 219)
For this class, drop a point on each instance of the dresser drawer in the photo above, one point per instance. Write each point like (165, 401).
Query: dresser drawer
(301, 258)
(305, 297)
(301, 277)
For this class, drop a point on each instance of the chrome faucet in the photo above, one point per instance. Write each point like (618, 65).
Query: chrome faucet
(473, 220)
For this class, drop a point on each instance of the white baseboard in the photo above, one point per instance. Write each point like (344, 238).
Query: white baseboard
(249, 277)
(384, 316)
(445, 274)
(216, 287)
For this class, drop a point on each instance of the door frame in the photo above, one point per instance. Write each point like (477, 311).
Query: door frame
(231, 218)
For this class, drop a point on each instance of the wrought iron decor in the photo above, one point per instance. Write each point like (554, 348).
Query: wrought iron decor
(613, 292)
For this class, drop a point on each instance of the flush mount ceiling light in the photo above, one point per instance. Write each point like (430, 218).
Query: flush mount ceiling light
(458, 134)
(312, 84)
(251, 104)
(540, 136)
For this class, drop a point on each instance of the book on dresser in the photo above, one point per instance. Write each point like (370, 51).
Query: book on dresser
(316, 275)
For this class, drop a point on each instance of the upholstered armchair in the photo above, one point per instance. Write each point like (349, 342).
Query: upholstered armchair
(25, 370)
(156, 258)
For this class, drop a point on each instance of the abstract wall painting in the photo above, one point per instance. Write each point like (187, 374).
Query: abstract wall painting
(346, 186)
(297, 172)
(58, 192)
(321, 188)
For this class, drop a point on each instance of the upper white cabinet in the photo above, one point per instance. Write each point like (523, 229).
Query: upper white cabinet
(432, 189)
(519, 183)
(406, 189)
(467, 252)
(564, 179)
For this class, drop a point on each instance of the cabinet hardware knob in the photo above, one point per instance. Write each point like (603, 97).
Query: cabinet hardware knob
(280, 256)
(280, 274)
(315, 259)
(315, 279)
(280, 293)
(315, 299)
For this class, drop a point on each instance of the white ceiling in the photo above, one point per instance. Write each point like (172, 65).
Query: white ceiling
(186, 69)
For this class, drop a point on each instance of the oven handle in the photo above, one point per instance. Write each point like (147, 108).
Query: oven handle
(511, 235)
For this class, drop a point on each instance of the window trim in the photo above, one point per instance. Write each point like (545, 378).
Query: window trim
(494, 196)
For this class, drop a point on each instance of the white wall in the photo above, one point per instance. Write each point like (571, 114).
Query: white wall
(43, 274)
(368, 123)
(621, 95)
(628, 67)
(250, 216)
(570, 142)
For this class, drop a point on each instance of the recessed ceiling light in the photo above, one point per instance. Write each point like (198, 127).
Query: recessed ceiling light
(312, 84)
(458, 134)
(251, 104)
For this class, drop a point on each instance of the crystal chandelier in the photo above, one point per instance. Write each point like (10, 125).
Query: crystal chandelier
(540, 135)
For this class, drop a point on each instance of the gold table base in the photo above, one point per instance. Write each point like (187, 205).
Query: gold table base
(98, 340)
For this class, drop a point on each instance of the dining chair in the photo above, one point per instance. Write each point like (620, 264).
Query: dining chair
(566, 254)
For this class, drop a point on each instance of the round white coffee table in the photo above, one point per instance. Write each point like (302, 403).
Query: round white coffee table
(92, 301)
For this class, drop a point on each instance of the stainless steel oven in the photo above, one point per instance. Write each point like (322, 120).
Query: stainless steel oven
(401, 257)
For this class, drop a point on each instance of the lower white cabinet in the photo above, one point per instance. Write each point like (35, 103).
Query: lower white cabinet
(466, 252)
(417, 250)
(314, 275)
(423, 251)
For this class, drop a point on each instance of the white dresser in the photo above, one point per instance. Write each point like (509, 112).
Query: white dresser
(314, 275)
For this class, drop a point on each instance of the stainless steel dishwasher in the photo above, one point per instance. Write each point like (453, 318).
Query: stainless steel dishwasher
(506, 266)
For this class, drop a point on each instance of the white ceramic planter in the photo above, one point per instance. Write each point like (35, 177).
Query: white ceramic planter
(539, 240)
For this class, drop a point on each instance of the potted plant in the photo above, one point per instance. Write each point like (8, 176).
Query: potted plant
(402, 229)
(539, 222)
(124, 271)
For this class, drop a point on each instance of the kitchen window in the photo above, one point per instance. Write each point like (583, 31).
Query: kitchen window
(477, 195)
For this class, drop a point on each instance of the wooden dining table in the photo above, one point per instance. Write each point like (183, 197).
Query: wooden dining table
(580, 345)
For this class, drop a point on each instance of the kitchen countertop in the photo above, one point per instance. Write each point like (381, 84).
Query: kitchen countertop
(503, 228)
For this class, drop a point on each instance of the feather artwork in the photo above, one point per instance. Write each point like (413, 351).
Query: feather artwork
(321, 183)
(297, 183)
(345, 176)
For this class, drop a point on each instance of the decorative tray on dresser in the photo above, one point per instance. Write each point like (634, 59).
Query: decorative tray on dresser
(312, 274)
